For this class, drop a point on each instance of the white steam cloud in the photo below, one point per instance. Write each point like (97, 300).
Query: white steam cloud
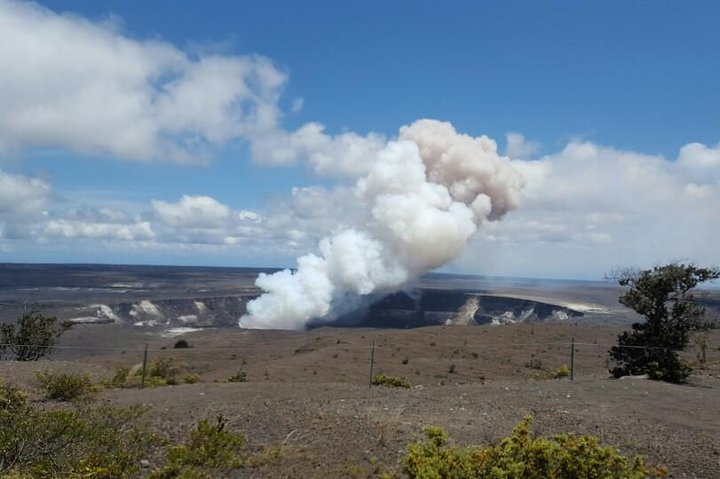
(422, 198)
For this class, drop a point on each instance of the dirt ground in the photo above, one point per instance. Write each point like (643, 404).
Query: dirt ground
(307, 409)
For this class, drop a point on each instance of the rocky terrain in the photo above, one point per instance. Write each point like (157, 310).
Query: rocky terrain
(306, 406)
(189, 297)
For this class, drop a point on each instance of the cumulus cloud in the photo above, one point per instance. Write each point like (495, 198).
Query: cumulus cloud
(96, 224)
(22, 197)
(345, 154)
(22, 203)
(518, 147)
(700, 164)
(81, 85)
(589, 208)
(192, 212)
(85, 86)
(205, 220)
(68, 228)
(32, 214)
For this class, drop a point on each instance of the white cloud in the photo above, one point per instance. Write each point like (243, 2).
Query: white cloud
(697, 155)
(85, 86)
(590, 208)
(193, 212)
(71, 83)
(204, 220)
(518, 148)
(345, 154)
(22, 204)
(141, 230)
(22, 197)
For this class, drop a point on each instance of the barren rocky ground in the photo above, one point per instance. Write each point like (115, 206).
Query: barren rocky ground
(307, 410)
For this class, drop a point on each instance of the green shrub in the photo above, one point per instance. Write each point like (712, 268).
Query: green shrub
(161, 372)
(163, 368)
(238, 377)
(119, 380)
(562, 372)
(212, 451)
(11, 398)
(519, 456)
(181, 344)
(31, 337)
(101, 443)
(191, 378)
(66, 387)
(390, 381)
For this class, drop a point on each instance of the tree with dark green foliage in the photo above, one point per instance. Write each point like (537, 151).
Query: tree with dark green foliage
(32, 337)
(663, 296)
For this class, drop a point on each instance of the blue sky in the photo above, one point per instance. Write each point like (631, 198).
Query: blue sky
(598, 91)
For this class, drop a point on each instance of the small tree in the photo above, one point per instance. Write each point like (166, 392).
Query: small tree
(32, 337)
(662, 295)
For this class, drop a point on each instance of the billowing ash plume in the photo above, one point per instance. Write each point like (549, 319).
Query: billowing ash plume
(423, 197)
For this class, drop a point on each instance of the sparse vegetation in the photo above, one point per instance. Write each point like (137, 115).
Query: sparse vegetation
(212, 451)
(238, 377)
(104, 442)
(535, 363)
(521, 456)
(161, 372)
(32, 337)
(562, 372)
(66, 387)
(11, 398)
(390, 381)
(98, 442)
(663, 296)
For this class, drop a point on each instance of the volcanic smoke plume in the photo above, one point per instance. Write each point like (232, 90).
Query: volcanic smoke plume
(423, 197)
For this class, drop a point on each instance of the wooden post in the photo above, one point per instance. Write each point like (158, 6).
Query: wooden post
(142, 384)
(572, 359)
(372, 362)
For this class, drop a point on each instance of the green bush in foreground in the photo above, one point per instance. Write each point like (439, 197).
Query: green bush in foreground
(104, 442)
(390, 381)
(210, 452)
(66, 387)
(101, 442)
(564, 456)
(11, 398)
